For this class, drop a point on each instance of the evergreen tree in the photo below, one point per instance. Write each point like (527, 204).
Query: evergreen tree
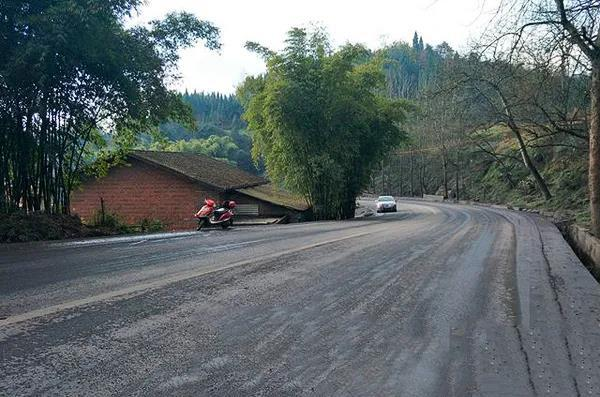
(415, 42)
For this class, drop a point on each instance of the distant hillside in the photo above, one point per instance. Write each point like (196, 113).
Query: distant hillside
(488, 129)
(221, 132)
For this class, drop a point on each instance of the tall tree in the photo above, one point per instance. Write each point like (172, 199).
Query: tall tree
(415, 42)
(319, 122)
(501, 94)
(554, 23)
(70, 69)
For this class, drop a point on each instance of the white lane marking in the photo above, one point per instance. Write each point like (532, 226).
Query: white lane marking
(122, 239)
(139, 289)
(140, 242)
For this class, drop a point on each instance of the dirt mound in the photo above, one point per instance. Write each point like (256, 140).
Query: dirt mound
(20, 227)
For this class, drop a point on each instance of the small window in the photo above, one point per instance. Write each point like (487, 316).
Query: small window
(246, 209)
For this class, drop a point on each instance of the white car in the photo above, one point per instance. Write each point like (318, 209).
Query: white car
(386, 204)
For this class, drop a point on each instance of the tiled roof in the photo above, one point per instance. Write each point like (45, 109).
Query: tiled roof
(201, 168)
(274, 195)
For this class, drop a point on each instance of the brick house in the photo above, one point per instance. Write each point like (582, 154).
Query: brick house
(171, 186)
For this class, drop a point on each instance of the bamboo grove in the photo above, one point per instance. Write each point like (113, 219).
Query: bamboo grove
(73, 76)
(41, 144)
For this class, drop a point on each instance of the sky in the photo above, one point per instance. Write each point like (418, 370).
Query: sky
(373, 23)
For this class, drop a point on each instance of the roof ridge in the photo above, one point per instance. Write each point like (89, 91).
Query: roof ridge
(206, 156)
(205, 169)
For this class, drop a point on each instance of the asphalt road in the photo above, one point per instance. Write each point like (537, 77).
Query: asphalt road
(436, 300)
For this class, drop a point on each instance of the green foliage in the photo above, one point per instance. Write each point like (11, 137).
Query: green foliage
(409, 70)
(71, 69)
(151, 226)
(219, 147)
(110, 222)
(214, 114)
(563, 167)
(318, 121)
(219, 131)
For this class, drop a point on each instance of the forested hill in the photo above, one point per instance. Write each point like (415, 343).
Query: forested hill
(214, 112)
(220, 132)
(215, 108)
(487, 128)
(411, 69)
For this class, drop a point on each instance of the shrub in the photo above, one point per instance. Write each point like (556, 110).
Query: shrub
(110, 222)
(152, 225)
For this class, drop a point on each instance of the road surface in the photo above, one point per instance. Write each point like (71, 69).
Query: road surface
(436, 300)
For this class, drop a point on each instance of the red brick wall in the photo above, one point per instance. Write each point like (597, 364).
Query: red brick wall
(142, 191)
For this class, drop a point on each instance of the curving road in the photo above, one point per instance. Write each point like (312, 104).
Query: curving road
(436, 300)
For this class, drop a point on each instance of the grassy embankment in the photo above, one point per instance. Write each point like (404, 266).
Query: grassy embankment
(561, 161)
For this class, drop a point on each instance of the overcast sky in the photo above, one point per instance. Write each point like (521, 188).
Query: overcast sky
(372, 23)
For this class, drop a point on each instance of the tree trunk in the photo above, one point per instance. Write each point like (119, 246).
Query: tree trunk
(401, 178)
(540, 182)
(382, 178)
(422, 175)
(349, 207)
(594, 161)
(457, 193)
(445, 173)
(412, 186)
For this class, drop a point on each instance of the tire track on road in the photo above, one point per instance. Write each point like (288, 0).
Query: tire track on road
(135, 290)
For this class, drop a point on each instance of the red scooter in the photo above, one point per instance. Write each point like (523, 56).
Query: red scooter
(210, 214)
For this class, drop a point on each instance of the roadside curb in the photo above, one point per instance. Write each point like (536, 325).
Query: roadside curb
(585, 245)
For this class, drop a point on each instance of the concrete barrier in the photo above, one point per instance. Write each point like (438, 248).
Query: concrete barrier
(585, 245)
